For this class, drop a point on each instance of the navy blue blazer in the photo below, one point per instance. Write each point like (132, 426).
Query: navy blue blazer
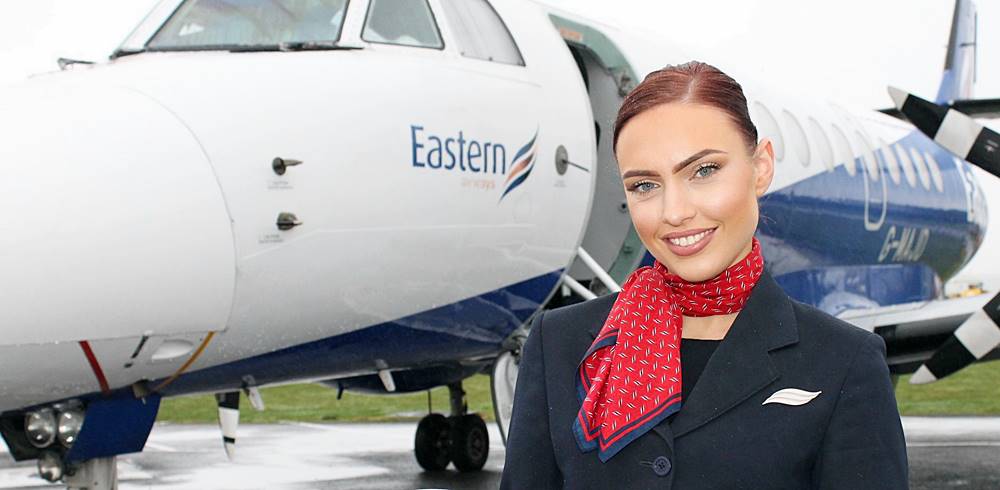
(847, 437)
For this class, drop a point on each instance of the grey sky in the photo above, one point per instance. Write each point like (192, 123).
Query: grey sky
(845, 49)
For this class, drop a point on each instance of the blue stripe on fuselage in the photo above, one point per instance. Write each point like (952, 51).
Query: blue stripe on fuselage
(816, 242)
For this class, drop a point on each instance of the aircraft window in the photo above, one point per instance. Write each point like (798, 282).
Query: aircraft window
(935, 169)
(409, 23)
(767, 126)
(845, 150)
(918, 161)
(890, 161)
(797, 137)
(208, 24)
(480, 32)
(822, 142)
(904, 161)
(868, 157)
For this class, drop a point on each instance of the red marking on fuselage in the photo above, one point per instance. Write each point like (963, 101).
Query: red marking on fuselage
(95, 366)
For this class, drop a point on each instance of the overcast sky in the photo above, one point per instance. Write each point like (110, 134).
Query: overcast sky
(848, 50)
(844, 49)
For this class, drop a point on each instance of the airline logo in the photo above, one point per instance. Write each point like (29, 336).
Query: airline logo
(525, 161)
(485, 162)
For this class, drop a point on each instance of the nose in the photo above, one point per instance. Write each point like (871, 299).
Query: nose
(676, 206)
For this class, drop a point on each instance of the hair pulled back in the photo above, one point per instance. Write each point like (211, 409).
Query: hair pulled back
(693, 82)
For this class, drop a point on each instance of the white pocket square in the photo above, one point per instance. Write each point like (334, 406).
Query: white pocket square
(792, 396)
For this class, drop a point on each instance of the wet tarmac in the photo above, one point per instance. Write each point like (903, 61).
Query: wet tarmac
(944, 452)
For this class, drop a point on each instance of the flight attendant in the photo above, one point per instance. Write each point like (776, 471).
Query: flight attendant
(701, 372)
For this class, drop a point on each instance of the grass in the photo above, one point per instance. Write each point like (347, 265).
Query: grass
(972, 391)
(317, 403)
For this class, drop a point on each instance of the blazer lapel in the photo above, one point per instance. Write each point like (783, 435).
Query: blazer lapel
(740, 366)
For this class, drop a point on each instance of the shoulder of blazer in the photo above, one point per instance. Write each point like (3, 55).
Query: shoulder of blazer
(574, 320)
(824, 327)
(567, 328)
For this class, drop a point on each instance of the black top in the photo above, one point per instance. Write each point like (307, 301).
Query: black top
(694, 356)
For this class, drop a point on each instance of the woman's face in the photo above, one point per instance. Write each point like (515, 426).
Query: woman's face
(692, 185)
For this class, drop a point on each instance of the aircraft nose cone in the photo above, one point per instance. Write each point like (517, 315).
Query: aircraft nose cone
(110, 189)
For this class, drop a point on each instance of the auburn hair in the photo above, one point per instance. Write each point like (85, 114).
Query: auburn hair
(693, 82)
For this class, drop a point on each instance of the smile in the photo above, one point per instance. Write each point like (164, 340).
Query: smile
(685, 245)
(689, 240)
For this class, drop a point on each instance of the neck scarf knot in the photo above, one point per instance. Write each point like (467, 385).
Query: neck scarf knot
(630, 378)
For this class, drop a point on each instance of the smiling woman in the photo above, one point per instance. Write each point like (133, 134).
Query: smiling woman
(701, 372)
(708, 195)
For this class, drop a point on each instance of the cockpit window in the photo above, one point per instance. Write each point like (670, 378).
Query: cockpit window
(207, 24)
(402, 22)
(480, 32)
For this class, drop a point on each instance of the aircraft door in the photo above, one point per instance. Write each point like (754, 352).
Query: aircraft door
(610, 238)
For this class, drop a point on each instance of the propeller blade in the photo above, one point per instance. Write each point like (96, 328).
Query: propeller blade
(972, 340)
(956, 132)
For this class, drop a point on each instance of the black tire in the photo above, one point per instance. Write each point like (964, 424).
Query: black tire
(470, 442)
(431, 443)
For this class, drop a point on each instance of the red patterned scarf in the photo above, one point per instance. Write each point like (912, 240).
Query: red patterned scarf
(630, 378)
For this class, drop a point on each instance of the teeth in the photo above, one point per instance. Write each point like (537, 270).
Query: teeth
(689, 240)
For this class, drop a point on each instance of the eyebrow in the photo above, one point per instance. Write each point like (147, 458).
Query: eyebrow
(677, 168)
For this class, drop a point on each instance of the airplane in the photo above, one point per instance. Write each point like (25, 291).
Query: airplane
(378, 196)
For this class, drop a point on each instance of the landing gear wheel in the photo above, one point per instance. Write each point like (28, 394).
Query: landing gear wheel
(470, 443)
(431, 443)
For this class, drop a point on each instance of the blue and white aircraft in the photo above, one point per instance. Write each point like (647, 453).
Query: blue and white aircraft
(377, 195)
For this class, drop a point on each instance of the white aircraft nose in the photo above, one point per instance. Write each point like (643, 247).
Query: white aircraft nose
(114, 214)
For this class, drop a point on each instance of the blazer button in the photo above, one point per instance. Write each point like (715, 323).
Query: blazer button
(661, 466)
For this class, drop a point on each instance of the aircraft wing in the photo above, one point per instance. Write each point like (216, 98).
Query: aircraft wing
(913, 332)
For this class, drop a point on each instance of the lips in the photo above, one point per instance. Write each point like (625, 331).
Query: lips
(687, 238)
(689, 242)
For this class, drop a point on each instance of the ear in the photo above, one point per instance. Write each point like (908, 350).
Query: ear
(763, 162)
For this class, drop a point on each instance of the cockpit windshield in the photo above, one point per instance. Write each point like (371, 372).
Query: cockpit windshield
(231, 24)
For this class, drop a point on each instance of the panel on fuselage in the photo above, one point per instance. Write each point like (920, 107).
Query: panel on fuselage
(120, 227)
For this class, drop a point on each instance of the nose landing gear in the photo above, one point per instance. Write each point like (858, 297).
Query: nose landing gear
(461, 438)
